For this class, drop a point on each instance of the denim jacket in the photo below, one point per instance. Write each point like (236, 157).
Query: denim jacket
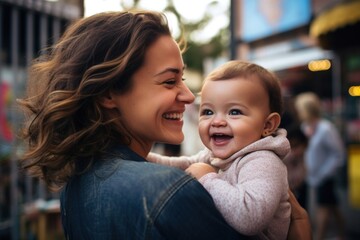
(125, 197)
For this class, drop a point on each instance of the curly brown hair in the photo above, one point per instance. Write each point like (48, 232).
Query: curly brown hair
(66, 125)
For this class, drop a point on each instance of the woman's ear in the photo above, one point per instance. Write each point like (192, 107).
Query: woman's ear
(271, 124)
(107, 101)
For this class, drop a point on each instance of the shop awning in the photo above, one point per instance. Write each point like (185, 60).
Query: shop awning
(293, 59)
(337, 17)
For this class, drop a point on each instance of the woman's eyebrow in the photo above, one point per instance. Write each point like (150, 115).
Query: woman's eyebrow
(173, 70)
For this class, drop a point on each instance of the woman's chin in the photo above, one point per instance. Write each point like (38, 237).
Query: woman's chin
(175, 139)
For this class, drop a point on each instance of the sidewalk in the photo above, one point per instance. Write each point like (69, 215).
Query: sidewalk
(350, 213)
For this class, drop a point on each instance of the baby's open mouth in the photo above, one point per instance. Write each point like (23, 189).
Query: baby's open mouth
(220, 137)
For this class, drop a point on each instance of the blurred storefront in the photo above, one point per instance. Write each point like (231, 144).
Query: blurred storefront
(336, 29)
(275, 34)
(26, 28)
(312, 45)
(282, 35)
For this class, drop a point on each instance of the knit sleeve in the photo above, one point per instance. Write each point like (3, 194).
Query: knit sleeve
(249, 201)
(181, 162)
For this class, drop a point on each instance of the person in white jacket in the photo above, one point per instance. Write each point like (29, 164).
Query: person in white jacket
(241, 166)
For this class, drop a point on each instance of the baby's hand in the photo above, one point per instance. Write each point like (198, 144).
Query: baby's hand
(200, 169)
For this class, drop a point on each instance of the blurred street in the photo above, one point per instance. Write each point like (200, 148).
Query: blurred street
(351, 215)
(311, 45)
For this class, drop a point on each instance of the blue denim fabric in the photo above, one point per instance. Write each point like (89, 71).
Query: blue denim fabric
(134, 199)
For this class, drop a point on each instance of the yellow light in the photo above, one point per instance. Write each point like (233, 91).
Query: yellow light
(319, 65)
(354, 91)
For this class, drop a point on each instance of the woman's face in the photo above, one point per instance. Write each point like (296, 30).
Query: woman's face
(153, 108)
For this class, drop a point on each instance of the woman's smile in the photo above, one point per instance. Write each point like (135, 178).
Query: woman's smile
(173, 116)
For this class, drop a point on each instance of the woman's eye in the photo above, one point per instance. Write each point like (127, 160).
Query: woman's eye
(170, 82)
(235, 112)
(206, 112)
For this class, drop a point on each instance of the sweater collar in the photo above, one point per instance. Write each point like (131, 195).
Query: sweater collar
(277, 143)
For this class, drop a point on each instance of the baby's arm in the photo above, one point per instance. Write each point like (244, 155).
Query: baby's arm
(200, 169)
(182, 162)
(249, 202)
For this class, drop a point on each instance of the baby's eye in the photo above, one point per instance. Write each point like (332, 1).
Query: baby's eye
(206, 112)
(235, 112)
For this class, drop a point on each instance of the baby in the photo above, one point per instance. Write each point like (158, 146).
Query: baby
(242, 167)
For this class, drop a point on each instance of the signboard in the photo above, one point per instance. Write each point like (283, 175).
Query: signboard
(262, 18)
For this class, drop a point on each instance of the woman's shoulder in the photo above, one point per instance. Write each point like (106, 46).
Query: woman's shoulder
(140, 173)
(122, 161)
(121, 188)
(122, 182)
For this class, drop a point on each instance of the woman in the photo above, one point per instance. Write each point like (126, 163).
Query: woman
(98, 101)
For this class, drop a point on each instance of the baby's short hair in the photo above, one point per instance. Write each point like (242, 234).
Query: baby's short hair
(248, 70)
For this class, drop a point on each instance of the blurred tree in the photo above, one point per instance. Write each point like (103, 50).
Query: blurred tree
(196, 51)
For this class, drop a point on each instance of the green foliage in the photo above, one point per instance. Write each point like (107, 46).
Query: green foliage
(194, 56)
(196, 52)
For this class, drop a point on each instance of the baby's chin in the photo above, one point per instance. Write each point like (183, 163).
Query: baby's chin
(222, 155)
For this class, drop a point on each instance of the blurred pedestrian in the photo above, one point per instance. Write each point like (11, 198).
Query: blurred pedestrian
(97, 103)
(324, 156)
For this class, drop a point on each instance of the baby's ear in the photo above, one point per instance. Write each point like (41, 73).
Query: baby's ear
(107, 101)
(271, 124)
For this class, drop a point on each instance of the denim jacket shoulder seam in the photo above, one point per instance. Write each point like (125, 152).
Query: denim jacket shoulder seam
(163, 201)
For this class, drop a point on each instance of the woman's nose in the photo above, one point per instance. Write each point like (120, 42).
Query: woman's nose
(186, 95)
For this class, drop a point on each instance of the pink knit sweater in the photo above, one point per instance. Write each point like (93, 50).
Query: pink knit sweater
(251, 187)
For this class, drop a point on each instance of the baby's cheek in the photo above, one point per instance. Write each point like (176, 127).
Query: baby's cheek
(204, 132)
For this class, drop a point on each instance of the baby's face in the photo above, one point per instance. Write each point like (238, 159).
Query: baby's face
(233, 114)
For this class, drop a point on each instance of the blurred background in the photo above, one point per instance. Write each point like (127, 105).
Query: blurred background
(312, 45)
